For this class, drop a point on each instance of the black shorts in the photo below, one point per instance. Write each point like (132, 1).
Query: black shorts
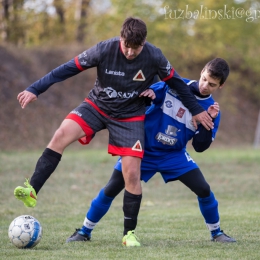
(126, 136)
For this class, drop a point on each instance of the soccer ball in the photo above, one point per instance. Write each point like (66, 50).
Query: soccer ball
(25, 231)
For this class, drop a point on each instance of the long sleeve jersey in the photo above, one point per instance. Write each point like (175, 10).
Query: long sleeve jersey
(168, 123)
(119, 80)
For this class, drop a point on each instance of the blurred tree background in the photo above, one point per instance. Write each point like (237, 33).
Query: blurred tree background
(37, 35)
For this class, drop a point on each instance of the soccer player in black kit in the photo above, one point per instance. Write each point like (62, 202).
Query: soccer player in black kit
(126, 67)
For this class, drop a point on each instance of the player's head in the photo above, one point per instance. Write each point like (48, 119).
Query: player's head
(132, 37)
(213, 76)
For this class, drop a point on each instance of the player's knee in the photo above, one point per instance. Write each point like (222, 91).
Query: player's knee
(58, 141)
(59, 135)
(132, 177)
(115, 185)
(203, 191)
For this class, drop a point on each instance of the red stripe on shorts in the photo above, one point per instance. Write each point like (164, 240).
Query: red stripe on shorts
(85, 127)
(130, 119)
(124, 151)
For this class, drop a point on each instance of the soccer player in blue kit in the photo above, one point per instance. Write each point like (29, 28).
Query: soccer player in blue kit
(126, 67)
(168, 128)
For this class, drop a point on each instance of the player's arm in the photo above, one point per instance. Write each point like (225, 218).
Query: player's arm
(61, 73)
(203, 137)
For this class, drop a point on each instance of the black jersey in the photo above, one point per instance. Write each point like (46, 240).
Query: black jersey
(119, 81)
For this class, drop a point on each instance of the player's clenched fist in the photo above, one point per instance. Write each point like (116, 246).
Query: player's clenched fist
(25, 98)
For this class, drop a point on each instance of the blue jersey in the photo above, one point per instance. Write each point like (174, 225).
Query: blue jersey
(168, 123)
(168, 128)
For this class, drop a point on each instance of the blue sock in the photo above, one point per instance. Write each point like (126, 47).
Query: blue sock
(99, 207)
(209, 210)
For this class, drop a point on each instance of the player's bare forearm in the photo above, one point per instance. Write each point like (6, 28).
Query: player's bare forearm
(25, 97)
(204, 118)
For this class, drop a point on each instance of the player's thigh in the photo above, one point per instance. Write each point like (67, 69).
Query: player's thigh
(196, 182)
(126, 138)
(148, 168)
(175, 164)
(89, 119)
(68, 132)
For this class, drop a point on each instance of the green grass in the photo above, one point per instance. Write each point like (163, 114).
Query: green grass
(170, 225)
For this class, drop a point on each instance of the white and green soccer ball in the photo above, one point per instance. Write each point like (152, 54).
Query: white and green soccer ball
(25, 231)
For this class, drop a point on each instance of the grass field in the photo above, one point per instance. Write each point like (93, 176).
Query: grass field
(170, 225)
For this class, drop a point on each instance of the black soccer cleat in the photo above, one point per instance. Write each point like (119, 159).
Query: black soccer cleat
(223, 238)
(76, 236)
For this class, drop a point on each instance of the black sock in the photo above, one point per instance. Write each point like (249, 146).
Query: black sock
(45, 166)
(131, 206)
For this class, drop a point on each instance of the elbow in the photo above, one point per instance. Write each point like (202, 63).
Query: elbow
(200, 149)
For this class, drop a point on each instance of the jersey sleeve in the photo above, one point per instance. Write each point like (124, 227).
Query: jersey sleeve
(60, 73)
(203, 138)
(176, 83)
(165, 69)
(89, 58)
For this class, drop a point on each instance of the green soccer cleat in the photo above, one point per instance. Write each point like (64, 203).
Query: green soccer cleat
(130, 239)
(26, 195)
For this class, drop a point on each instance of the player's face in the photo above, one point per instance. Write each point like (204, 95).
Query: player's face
(130, 52)
(207, 84)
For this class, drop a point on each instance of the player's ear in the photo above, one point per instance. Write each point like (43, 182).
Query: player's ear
(221, 86)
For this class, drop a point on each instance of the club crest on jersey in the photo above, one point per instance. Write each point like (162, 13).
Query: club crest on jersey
(180, 112)
(139, 76)
(137, 146)
(168, 103)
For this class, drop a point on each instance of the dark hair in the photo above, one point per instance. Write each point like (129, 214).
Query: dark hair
(218, 69)
(134, 32)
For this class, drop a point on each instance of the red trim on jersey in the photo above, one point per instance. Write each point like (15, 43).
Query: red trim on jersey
(130, 119)
(85, 127)
(124, 151)
(170, 76)
(76, 59)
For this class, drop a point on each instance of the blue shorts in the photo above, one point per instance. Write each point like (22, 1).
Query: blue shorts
(170, 167)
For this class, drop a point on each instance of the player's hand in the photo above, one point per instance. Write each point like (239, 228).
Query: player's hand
(205, 119)
(148, 93)
(213, 110)
(25, 98)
